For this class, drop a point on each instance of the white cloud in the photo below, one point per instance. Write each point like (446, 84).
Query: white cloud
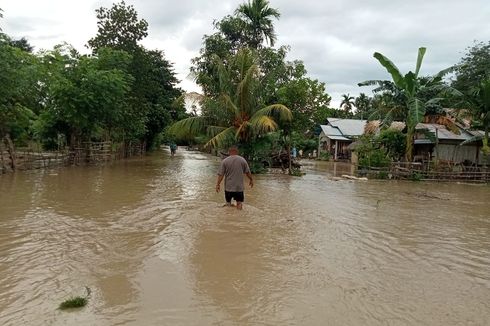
(335, 39)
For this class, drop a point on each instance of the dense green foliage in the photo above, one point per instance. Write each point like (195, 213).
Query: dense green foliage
(363, 105)
(473, 79)
(380, 150)
(479, 101)
(121, 92)
(236, 116)
(408, 93)
(20, 92)
(252, 94)
(473, 68)
(280, 81)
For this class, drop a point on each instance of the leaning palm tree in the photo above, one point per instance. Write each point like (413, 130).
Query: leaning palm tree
(347, 102)
(258, 18)
(236, 116)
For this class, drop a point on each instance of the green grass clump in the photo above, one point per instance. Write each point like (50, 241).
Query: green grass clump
(75, 302)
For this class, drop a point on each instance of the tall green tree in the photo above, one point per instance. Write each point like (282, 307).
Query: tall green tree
(87, 100)
(363, 106)
(153, 89)
(19, 76)
(387, 107)
(118, 27)
(258, 16)
(282, 81)
(22, 44)
(479, 100)
(304, 97)
(347, 102)
(473, 68)
(236, 116)
(250, 26)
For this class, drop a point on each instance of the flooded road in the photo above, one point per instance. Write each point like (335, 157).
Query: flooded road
(150, 239)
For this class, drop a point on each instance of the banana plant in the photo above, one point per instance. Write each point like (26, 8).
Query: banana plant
(409, 86)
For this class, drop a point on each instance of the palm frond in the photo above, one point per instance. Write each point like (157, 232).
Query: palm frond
(471, 140)
(224, 76)
(263, 124)
(188, 127)
(214, 130)
(281, 110)
(222, 139)
(179, 101)
(241, 131)
(444, 72)
(243, 89)
(229, 105)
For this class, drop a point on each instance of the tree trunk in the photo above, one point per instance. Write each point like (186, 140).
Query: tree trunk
(289, 158)
(2, 161)
(485, 148)
(11, 150)
(409, 147)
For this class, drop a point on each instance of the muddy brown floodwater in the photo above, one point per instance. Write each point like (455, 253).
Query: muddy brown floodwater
(150, 239)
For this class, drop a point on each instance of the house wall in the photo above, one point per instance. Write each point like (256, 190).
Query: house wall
(324, 143)
(456, 153)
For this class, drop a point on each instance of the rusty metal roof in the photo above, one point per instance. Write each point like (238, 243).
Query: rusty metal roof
(443, 132)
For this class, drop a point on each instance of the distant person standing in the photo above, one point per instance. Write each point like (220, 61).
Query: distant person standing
(173, 148)
(232, 170)
(294, 152)
(300, 153)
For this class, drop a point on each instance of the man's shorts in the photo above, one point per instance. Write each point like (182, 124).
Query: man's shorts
(237, 195)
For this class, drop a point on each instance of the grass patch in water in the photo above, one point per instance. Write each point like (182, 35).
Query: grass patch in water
(76, 302)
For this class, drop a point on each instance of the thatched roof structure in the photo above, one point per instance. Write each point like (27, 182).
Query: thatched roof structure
(373, 127)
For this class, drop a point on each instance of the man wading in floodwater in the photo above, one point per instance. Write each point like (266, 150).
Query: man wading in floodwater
(232, 170)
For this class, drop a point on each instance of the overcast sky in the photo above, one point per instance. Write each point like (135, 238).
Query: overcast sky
(335, 39)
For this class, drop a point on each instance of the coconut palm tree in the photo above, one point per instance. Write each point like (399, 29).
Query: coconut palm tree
(363, 104)
(347, 102)
(258, 18)
(236, 116)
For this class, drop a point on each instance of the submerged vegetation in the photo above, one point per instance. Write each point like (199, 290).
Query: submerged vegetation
(76, 302)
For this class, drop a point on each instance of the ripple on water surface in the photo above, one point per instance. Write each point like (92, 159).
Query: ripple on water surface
(151, 239)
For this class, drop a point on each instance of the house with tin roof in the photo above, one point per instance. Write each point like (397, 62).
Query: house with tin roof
(337, 134)
(434, 141)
